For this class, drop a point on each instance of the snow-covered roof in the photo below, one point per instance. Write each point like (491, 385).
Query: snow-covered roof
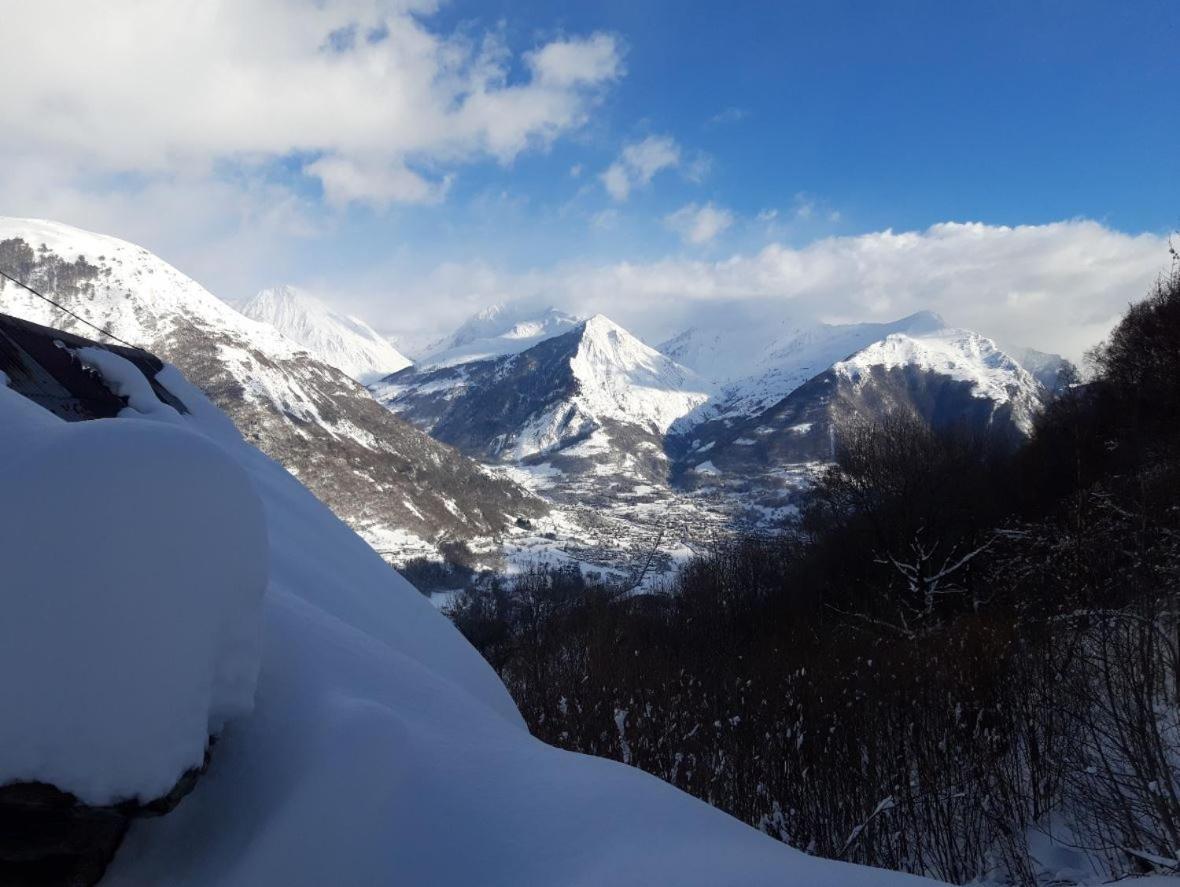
(41, 363)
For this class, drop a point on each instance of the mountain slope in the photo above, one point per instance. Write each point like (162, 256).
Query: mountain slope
(595, 392)
(402, 490)
(947, 377)
(339, 340)
(761, 369)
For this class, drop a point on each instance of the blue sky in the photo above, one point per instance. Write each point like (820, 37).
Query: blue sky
(891, 115)
(623, 149)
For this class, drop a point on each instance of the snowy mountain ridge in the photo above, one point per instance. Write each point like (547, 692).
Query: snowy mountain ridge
(623, 379)
(957, 354)
(403, 490)
(580, 412)
(757, 368)
(720, 428)
(562, 391)
(340, 340)
(498, 331)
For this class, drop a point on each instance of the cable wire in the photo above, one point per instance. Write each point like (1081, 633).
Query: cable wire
(77, 317)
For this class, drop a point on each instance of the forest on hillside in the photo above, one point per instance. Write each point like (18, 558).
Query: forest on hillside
(963, 660)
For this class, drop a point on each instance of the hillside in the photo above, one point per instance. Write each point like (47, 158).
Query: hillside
(403, 491)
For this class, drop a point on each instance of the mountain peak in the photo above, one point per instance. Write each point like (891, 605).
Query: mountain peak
(341, 340)
(497, 331)
(959, 354)
(921, 321)
(600, 324)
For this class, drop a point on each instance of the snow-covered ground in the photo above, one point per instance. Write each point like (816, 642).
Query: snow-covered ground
(381, 748)
(134, 562)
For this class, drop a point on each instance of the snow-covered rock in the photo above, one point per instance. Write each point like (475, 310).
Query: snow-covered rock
(339, 340)
(134, 558)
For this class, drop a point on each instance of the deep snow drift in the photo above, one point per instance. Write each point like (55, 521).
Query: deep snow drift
(134, 562)
(381, 748)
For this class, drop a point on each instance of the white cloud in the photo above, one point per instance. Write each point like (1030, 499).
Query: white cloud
(360, 93)
(347, 181)
(698, 225)
(616, 181)
(571, 63)
(729, 115)
(1058, 287)
(605, 220)
(638, 164)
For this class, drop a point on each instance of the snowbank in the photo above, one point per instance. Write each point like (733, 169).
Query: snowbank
(133, 557)
(382, 749)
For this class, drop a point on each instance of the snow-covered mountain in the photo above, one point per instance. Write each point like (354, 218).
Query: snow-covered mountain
(947, 377)
(401, 489)
(339, 340)
(640, 446)
(497, 332)
(595, 392)
(753, 369)
(1051, 370)
(963, 356)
